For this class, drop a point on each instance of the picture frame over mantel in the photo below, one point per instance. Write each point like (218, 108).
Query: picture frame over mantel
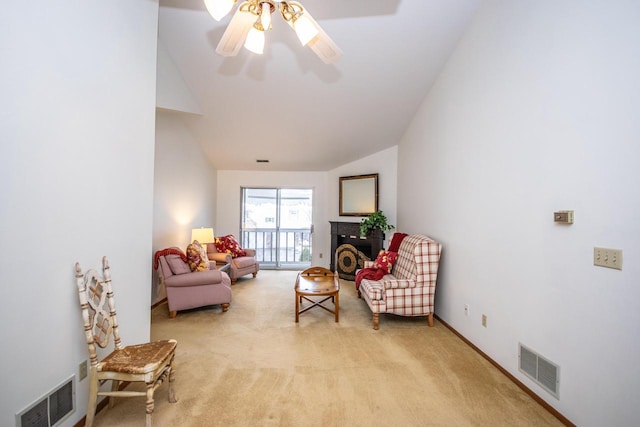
(358, 195)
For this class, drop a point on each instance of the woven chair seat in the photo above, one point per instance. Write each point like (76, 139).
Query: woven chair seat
(140, 358)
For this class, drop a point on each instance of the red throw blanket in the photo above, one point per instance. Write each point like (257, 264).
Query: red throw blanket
(396, 240)
(369, 273)
(167, 251)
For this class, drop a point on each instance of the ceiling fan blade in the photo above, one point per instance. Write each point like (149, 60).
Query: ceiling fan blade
(322, 44)
(236, 32)
(325, 48)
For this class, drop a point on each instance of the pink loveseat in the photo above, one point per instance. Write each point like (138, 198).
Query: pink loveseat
(239, 266)
(410, 288)
(187, 289)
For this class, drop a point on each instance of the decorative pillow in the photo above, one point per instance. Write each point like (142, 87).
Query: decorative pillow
(228, 244)
(177, 265)
(203, 251)
(196, 257)
(385, 260)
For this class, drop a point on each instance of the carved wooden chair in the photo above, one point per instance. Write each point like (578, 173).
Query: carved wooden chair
(150, 363)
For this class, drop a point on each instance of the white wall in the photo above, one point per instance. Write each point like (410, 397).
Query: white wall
(77, 124)
(537, 111)
(172, 92)
(184, 188)
(385, 164)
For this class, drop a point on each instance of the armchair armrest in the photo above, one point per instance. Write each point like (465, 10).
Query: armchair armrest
(250, 252)
(399, 283)
(197, 278)
(222, 257)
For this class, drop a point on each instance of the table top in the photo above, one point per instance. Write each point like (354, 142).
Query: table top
(223, 267)
(317, 284)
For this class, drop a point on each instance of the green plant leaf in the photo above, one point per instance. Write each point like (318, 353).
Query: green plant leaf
(375, 220)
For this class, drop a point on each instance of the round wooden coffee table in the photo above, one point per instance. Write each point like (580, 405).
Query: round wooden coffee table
(317, 282)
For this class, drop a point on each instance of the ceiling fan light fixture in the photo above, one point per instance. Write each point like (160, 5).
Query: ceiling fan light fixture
(304, 29)
(266, 9)
(219, 8)
(255, 39)
(236, 32)
(253, 17)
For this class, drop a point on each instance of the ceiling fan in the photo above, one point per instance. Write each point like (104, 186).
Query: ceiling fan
(253, 18)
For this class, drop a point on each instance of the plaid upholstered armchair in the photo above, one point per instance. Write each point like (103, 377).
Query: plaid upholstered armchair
(410, 288)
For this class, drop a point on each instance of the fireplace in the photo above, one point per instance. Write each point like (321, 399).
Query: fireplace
(349, 251)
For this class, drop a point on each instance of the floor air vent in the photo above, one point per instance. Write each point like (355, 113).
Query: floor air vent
(540, 370)
(51, 409)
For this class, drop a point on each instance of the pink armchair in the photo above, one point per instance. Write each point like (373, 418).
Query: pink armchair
(238, 266)
(187, 289)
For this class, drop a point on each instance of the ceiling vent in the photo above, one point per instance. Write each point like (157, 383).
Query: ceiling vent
(51, 409)
(545, 373)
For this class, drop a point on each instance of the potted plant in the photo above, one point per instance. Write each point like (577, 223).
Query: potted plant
(375, 220)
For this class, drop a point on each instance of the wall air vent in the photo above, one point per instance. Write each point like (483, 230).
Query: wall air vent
(51, 409)
(545, 373)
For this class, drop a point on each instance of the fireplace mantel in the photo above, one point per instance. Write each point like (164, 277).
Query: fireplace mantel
(360, 248)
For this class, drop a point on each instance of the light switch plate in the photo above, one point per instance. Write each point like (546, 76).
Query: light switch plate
(605, 257)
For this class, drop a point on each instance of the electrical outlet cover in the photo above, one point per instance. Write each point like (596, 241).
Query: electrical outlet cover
(82, 370)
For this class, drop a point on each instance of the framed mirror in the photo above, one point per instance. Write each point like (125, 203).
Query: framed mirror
(358, 195)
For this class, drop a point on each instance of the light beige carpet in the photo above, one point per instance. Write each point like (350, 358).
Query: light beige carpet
(254, 366)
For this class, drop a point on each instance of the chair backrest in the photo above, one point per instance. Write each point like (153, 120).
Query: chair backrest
(162, 259)
(418, 260)
(164, 269)
(96, 297)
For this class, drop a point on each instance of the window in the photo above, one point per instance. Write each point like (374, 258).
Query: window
(277, 222)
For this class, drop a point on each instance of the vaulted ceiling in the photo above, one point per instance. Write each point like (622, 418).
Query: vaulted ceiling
(289, 107)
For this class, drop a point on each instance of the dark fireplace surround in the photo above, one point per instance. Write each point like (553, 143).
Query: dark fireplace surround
(349, 250)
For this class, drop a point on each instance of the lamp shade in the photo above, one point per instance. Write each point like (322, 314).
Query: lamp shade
(202, 235)
(255, 41)
(265, 16)
(219, 8)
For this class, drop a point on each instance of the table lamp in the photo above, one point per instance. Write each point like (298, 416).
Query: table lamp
(202, 235)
